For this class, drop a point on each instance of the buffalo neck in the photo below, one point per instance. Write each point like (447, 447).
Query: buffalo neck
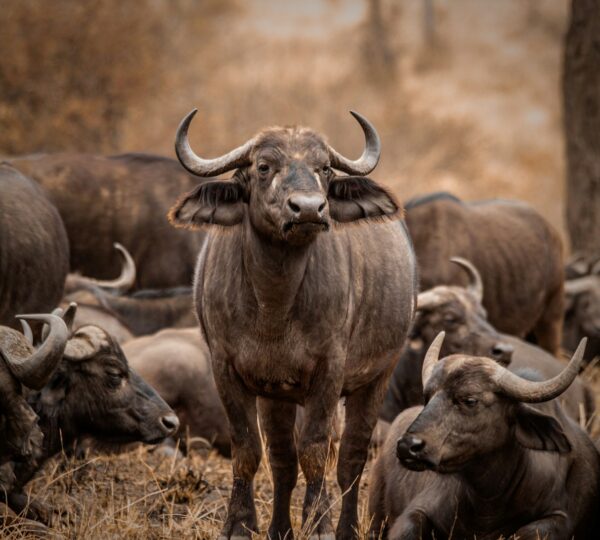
(275, 271)
(495, 476)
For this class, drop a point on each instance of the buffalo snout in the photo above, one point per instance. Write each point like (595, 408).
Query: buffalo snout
(411, 450)
(502, 353)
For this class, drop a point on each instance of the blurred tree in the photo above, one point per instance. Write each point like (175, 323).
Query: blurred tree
(581, 92)
(378, 55)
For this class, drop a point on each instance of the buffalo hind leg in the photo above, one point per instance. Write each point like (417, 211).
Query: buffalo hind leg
(277, 420)
(362, 408)
(240, 407)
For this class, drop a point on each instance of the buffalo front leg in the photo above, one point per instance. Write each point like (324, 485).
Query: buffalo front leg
(362, 408)
(240, 407)
(315, 449)
(277, 421)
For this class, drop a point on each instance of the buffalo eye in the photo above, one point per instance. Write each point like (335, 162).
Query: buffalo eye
(469, 402)
(326, 170)
(115, 379)
(451, 318)
(263, 168)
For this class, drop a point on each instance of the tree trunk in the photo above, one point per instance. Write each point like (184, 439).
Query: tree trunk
(581, 92)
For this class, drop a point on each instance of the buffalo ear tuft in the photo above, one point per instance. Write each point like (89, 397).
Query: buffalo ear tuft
(216, 202)
(539, 431)
(357, 197)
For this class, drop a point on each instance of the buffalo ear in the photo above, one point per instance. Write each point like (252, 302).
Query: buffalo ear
(357, 197)
(217, 202)
(539, 431)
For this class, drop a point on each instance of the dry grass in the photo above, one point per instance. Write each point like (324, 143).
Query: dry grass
(144, 494)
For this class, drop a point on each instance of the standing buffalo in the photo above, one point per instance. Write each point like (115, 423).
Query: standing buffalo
(92, 393)
(518, 253)
(458, 312)
(478, 462)
(34, 250)
(123, 199)
(298, 306)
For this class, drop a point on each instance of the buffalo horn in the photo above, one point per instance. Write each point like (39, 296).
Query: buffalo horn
(432, 357)
(370, 156)
(238, 157)
(476, 284)
(535, 391)
(35, 370)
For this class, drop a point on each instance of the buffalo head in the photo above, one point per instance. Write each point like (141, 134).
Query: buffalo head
(459, 313)
(583, 301)
(475, 406)
(94, 392)
(284, 183)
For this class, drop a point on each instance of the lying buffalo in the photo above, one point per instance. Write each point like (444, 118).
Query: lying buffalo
(22, 365)
(34, 250)
(142, 312)
(478, 462)
(518, 253)
(124, 199)
(92, 393)
(582, 311)
(176, 362)
(458, 312)
(298, 306)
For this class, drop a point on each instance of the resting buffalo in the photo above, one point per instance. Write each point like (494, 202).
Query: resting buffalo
(123, 199)
(23, 365)
(92, 393)
(176, 362)
(298, 306)
(34, 250)
(125, 316)
(518, 253)
(478, 462)
(582, 310)
(458, 311)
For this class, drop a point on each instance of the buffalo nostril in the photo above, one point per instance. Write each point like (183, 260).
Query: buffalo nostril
(321, 208)
(170, 422)
(293, 207)
(416, 446)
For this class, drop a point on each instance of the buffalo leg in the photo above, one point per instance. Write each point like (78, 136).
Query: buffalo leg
(362, 408)
(240, 407)
(277, 420)
(314, 451)
(549, 528)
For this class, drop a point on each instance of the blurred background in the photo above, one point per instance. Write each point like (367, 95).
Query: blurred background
(465, 93)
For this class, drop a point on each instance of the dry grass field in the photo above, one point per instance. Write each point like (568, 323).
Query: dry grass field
(144, 494)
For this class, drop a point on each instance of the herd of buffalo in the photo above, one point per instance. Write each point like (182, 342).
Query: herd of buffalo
(317, 295)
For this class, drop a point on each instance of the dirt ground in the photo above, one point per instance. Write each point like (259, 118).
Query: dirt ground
(145, 494)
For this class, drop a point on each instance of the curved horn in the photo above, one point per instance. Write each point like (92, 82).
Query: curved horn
(370, 156)
(238, 157)
(27, 331)
(534, 391)
(427, 300)
(432, 357)
(476, 283)
(69, 315)
(119, 285)
(580, 285)
(35, 371)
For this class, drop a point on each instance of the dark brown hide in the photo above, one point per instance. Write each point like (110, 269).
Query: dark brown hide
(484, 465)
(299, 309)
(141, 313)
(518, 253)
(34, 251)
(457, 312)
(123, 199)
